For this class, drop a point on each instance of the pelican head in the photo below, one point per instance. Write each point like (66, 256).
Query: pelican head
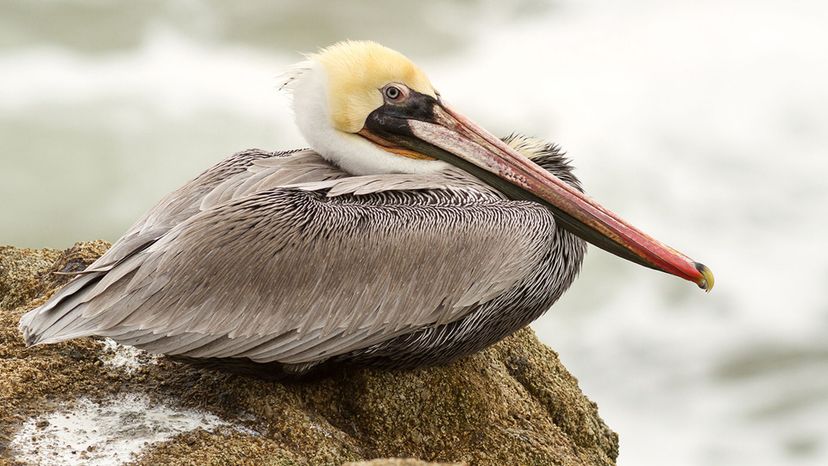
(370, 110)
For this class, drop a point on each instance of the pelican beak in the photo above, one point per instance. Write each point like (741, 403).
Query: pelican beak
(425, 126)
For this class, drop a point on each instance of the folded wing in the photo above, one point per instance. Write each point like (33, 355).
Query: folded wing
(294, 276)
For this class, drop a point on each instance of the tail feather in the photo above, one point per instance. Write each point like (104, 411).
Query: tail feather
(76, 312)
(40, 319)
(88, 305)
(69, 290)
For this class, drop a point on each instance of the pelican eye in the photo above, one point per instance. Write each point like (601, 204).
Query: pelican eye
(392, 92)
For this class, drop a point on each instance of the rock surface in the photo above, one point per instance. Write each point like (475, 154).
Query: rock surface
(80, 401)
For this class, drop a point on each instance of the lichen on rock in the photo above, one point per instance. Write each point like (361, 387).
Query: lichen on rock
(513, 403)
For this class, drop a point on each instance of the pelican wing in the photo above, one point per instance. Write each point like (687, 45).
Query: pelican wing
(178, 206)
(296, 276)
(171, 210)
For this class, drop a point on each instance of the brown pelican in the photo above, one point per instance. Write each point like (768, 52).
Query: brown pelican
(407, 235)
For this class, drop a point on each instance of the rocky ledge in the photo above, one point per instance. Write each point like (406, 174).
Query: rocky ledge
(95, 402)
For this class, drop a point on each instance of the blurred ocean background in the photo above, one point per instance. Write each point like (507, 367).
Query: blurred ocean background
(703, 122)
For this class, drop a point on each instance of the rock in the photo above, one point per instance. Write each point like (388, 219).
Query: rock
(398, 462)
(87, 399)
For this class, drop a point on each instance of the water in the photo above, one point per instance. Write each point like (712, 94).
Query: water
(704, 123)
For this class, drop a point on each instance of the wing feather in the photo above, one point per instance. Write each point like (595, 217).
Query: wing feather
(293, 276)
(170, 211)
(250, 260)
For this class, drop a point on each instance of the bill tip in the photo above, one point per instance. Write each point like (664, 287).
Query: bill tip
(706, 281)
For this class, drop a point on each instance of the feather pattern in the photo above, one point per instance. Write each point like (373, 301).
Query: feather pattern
(286, 258)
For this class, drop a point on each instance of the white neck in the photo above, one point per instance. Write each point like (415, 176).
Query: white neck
(353, 153)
